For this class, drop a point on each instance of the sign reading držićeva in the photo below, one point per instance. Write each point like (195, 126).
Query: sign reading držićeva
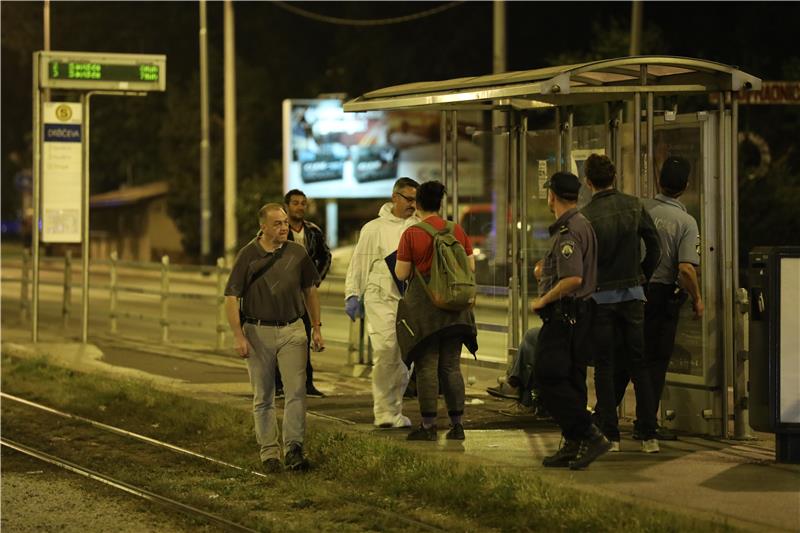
(62, 162)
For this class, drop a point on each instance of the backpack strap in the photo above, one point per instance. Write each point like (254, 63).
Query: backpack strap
(449, 227)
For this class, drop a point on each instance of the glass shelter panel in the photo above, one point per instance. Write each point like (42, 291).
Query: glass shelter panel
(685, 140)
(483, 212)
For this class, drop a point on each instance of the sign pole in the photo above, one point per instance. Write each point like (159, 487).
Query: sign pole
(37, 176)
(85, 98)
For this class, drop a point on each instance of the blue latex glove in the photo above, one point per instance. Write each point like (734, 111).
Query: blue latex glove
(352, 306)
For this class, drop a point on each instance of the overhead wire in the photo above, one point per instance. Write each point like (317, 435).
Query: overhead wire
(364, 22)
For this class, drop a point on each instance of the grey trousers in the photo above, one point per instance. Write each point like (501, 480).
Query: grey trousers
(286, 348)
(440, 362)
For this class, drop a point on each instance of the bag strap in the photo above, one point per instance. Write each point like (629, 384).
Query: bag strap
(449, 226)
(263, 270)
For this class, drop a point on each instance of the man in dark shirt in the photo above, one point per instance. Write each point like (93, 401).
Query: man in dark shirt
(272, 334)
(569, 273)
(310, 236)
(621, 223)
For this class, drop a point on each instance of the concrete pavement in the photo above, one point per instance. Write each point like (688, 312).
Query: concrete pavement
(736, 482)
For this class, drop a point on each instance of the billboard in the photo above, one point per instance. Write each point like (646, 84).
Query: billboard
(328, 153)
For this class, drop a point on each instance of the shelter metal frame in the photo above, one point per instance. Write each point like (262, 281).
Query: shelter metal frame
(609, 82)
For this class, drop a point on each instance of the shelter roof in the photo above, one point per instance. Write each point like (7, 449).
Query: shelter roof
(581, 83)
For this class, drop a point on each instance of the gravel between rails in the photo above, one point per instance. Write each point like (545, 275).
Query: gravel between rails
(37, 497)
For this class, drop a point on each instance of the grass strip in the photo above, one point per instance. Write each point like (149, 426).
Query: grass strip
(352, 471)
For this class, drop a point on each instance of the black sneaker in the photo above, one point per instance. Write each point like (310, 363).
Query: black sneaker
(312, 391)
(279, 393)
(590, 449)
(271, 466)
(566, 453)
(504, 390)
(423, 433)
(295, 460)
(456, 432)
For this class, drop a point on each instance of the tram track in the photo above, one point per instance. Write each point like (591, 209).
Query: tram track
(129, 488)
(149, 495)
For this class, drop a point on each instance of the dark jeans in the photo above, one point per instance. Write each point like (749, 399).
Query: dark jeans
(521, 373)
(560, 372)
(440, 362)
(618, 336)
(660, 326)
(309, 370)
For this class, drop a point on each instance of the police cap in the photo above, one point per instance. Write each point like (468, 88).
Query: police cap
(565, 185)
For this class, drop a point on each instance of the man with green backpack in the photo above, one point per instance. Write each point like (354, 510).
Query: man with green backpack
(434, 318)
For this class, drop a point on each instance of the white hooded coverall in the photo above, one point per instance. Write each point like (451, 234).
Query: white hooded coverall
(368, 277)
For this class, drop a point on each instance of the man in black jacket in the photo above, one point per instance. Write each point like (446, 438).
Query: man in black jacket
(620, 222)
(311, 237)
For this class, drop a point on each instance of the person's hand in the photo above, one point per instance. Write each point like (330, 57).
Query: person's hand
(317, 342)
(352, 306)
(242, 346)
(537, 304)
(537, 269)
(698, 308)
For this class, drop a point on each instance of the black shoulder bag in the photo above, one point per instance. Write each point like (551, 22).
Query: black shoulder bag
(257, 274)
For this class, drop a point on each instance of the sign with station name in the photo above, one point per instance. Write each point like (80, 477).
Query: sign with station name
(93, 71)
(771, 93)
(62, 167)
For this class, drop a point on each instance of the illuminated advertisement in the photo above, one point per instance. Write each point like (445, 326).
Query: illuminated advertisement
(328, 153)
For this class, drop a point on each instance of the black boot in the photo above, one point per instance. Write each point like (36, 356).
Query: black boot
(566, 453)
(590, 449)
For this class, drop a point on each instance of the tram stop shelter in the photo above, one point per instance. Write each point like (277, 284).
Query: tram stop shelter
(637, 111)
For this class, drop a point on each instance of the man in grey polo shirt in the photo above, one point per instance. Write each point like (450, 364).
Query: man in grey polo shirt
(272, 334)
(674, 277)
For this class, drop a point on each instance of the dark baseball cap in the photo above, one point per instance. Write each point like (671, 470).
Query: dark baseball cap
(564, 185)
(674, 174)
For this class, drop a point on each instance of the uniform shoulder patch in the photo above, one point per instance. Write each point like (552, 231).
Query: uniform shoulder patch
(567, 249)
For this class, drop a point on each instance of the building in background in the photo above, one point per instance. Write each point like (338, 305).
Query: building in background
(134, 222)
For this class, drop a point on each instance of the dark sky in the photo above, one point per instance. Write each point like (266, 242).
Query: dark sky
(284, 55)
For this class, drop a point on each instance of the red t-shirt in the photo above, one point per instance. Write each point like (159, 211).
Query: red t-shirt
(416, 245)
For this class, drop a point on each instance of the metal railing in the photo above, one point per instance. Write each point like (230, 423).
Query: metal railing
(157, 294)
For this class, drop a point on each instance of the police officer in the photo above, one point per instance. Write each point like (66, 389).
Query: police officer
(675, 278)
(569, 276)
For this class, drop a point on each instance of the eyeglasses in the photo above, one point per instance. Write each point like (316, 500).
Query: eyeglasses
(409, 199)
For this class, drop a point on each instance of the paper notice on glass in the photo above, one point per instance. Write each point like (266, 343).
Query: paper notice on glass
(62, 168)
(542, 175)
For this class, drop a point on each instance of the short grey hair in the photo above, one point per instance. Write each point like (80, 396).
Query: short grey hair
(402, 183)
(264, 211)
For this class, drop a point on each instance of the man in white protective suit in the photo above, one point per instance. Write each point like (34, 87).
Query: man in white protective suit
(370, 282)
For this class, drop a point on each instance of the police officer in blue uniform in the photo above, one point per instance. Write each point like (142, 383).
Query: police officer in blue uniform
(569, 277)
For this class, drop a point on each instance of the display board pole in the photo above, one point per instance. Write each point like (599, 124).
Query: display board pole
(37, 176)
(85, 99)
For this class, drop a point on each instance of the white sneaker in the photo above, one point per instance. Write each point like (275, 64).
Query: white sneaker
(614, 446)
(650, 446)
(401, 421)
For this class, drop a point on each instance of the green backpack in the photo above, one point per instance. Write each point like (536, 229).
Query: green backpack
(452, 283)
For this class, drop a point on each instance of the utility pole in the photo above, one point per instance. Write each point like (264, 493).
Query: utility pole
(499, 123)
(205, 210)
(46, 18)
(230, 135)
(636, 28)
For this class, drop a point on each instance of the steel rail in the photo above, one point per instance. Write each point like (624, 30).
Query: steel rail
(152, 496)
(126, 433)
(123, 486)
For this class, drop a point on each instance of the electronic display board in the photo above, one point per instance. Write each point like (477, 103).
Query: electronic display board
(116, 72)
(328, 153)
